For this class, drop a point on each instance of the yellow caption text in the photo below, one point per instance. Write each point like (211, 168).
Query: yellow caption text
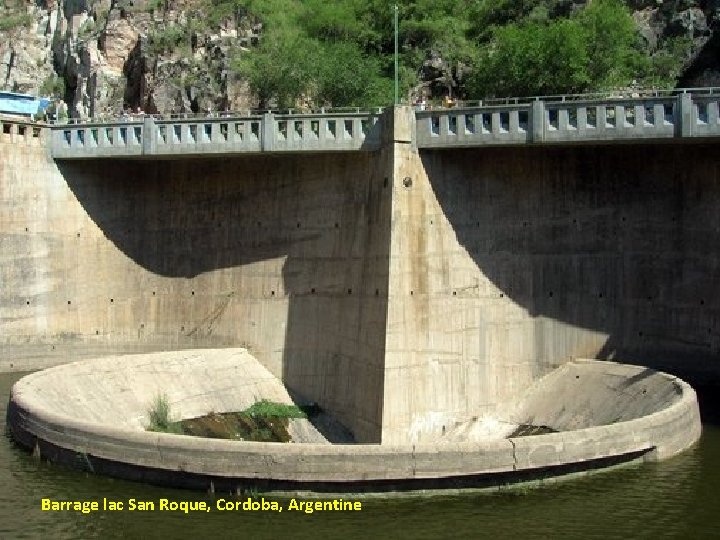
(219, 505)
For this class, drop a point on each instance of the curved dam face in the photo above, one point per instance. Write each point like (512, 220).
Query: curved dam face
(405, 292)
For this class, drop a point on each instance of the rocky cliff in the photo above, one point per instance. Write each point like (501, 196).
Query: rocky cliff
(99, 56)
(173, 56)
(688, 28)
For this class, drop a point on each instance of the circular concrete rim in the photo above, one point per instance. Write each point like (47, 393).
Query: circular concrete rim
(659, 435)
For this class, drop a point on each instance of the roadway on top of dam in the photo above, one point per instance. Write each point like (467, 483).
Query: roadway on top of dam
(682, 114)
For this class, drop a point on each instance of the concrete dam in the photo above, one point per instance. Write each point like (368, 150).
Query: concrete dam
(405, 288)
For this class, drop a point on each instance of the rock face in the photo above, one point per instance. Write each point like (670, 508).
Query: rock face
(100, 56)
(25, 61)
(687, 24)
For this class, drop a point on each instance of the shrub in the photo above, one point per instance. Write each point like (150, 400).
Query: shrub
(167, 39)
(11, 22)
(53, 86)
(533, 59)
(596, 49)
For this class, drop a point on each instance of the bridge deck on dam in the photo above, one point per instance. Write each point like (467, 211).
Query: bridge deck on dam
(685, 114)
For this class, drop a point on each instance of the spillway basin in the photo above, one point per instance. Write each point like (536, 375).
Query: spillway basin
(93, 415)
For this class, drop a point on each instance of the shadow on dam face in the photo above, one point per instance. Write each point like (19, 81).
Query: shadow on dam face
(287, 256)
(620, 241)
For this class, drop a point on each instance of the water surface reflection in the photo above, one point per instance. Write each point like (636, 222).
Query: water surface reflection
(673, 499)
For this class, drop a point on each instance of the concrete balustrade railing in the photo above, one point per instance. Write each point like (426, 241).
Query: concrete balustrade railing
(339, 132)
(224, 135)
(538, 121)
(506, 124)
(207, 136)
(572, 121)
(705, 117)
(21, 131)
(117, 139)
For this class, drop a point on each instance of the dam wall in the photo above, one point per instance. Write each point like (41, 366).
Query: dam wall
(403, 290)
(509, 262)
(286, 256)
(612, 251)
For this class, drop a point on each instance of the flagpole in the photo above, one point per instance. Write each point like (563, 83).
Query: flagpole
(395, 9)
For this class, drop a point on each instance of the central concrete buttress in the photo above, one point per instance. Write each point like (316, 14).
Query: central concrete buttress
(455, 346)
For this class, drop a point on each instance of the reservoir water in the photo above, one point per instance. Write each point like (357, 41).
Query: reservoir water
(678, 498)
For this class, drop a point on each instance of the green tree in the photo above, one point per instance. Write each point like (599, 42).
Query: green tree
(666, 64)
(486, 15)
(280, 70)
(347, 77)
(532, 59)
(283, 71)
(612, 44)
(598, 48)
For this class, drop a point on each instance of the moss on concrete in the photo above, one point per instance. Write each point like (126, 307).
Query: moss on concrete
(264, 421)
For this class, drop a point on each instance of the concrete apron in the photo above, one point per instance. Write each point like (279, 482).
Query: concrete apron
(605, 414)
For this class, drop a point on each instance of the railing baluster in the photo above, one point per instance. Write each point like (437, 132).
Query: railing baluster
(713, 117)
(582, 119)
(563, 121)
(495, 126)
(514, 127)
(444, 125)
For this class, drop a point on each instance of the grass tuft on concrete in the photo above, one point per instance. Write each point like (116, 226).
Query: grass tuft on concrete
(159, 414)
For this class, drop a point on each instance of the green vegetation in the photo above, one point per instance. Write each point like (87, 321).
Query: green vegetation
(340, 53)
(272, 408)
(532, 59)
(596, 49)
(10, 22)
(667, 63)
(288, 70)
(239, 427)
(167, 39)
(87, 30)
(159, 414)
(264, 421)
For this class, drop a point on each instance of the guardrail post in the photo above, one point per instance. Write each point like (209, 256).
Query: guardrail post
(537, 121)
(268, 128)
(684, 115)
(149, 136)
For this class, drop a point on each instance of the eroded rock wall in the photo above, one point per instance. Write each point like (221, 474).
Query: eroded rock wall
(99, 56)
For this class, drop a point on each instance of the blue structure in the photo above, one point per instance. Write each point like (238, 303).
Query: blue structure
(22, 104)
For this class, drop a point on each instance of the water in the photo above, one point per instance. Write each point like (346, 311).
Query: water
(673, 499)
